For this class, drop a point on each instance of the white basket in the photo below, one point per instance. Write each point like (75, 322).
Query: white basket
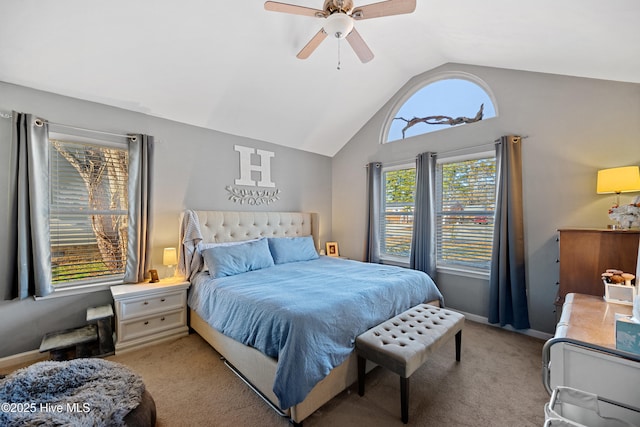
(620, 294)
(576, 408)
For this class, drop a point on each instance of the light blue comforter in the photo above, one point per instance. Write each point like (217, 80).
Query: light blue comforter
(307, 314)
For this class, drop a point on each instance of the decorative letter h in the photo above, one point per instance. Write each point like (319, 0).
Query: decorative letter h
(264, 168)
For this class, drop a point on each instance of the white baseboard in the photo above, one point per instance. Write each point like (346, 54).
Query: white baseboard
(21, 358)
(530, 332)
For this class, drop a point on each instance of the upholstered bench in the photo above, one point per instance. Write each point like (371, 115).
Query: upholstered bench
(402, 344)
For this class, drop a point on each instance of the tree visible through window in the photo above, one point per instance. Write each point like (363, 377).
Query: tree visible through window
(88, 211)
(465, 212)
(465, 187)
(451, 98)
(397, 211)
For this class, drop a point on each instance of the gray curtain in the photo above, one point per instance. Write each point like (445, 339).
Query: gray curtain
(140, 217)
(374, 193)
(30, 215)
(507, 285)
(29, 212)
(423, 243)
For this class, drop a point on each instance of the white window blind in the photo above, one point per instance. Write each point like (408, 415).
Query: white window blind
(465, 213)
(398, 195)
(88, 212)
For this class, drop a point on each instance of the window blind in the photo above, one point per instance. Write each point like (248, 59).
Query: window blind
(465, 213)
(397, 211)
(88, 212)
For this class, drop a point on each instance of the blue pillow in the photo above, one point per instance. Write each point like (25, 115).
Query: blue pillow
(230, 260)
(292, 249)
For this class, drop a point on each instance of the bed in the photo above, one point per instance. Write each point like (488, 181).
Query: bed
(283, 318)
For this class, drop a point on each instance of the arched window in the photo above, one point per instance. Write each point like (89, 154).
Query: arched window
(451, 101)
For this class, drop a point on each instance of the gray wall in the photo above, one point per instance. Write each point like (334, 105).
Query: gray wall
(192, 168)
(574, 127)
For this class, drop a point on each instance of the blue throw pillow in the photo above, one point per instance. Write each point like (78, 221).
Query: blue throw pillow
(292, 249)
(231, 260)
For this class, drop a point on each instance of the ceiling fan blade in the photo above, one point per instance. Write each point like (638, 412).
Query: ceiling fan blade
(383, 8)
(359, 46)
(312, 45)
(275, 6)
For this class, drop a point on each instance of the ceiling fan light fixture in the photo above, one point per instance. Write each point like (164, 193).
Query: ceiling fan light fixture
(339, 18)
(338, 25)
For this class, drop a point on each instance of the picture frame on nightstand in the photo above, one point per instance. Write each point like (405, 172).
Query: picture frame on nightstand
(332, 249)
(154, 276)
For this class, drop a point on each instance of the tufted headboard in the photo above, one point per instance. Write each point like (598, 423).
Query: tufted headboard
(226, 226)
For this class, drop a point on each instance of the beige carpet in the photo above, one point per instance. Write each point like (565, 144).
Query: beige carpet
(497, 383)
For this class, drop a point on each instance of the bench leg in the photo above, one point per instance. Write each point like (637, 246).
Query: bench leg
(404, 399)
(362, 364)
(458, 344)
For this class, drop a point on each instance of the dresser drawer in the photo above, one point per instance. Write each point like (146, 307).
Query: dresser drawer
(151, 325)
(144, 306)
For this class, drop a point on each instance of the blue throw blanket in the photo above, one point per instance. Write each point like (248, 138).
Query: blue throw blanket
(307, 314)
(78, 392)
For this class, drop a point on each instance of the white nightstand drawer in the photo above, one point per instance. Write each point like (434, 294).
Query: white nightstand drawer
(151, 325)
(152, 304)
(150, 312)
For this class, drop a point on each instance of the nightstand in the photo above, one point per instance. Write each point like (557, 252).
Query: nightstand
(149, 312)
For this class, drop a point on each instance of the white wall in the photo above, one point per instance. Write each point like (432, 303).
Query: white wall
(192, 168)
(573, 127)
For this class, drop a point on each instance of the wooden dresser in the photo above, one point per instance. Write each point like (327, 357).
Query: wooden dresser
(586, 253)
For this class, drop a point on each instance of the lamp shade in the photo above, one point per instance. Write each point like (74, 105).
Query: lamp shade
(618, 180)
(169, 256)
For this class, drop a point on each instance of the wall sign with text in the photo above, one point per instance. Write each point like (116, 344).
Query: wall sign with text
(266, 192)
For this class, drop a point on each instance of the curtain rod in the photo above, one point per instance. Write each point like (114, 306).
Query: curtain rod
(132, 137)
(486, 144)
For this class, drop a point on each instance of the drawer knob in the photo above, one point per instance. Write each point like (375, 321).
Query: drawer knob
(146, 323)
(146, 303)
(162, 319)
(163, 300)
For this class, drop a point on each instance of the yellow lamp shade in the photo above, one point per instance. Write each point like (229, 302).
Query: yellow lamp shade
(618, 180)
(170, 256)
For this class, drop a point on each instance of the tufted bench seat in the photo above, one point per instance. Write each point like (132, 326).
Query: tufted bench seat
(402, 344)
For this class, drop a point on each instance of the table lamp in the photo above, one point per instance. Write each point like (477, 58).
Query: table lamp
(170, 258)
(624, 179)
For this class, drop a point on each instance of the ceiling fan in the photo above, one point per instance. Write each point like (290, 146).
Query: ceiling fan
(339, 16)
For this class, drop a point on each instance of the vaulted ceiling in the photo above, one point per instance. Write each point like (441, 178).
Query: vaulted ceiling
(231, 65)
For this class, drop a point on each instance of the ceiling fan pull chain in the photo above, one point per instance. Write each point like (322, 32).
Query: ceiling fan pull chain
(338, 54)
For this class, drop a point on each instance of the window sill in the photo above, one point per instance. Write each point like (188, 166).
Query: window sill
(457, 271)
(78, 290)
(397, 261)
